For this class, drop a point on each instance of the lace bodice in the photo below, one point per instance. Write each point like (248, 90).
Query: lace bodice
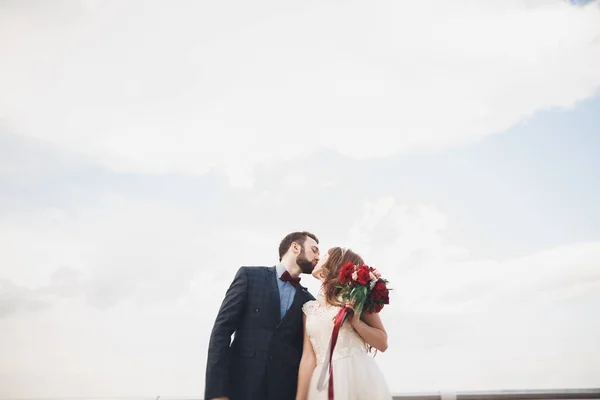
(319, 324)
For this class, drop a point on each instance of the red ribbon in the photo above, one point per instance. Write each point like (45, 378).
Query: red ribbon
(339, 320)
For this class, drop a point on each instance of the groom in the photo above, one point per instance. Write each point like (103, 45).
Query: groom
(263, 307)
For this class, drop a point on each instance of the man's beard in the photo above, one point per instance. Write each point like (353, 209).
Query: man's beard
(305, 265)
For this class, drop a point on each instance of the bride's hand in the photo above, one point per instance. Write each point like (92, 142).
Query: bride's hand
(350, 304)
(355, 316)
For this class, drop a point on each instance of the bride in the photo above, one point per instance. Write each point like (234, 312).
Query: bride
(356, 375)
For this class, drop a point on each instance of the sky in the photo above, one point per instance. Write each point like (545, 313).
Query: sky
(147, 151)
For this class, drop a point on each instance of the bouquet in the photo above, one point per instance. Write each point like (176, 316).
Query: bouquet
(364, 288)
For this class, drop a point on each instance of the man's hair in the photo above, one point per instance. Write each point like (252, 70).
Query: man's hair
(298, 237)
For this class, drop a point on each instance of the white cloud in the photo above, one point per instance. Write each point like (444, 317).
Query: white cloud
(143, 87)
(120, 248)
(406, 231)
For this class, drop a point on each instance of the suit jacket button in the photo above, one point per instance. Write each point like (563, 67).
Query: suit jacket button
(257, 310)
(270, 357)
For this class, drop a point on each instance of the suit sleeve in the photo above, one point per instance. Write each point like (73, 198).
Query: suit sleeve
(226, 323)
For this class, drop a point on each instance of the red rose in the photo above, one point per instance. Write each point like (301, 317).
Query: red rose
(380, 292)
(363, 276)
(386, 299)
(346, 273)
(378, 307)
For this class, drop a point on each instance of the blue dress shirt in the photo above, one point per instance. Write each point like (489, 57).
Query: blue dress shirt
(287, 291)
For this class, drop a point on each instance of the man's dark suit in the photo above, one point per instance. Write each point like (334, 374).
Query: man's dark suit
(266, 350)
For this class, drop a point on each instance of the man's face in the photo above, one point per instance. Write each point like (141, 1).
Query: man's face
(308, 257)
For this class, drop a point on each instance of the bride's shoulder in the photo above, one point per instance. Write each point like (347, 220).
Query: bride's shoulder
(310, 307)
(318, 306)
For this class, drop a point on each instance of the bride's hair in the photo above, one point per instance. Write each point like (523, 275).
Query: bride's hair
(330, 272)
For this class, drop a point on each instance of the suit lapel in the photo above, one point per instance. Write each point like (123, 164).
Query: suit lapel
(302, 293)
(274, 293)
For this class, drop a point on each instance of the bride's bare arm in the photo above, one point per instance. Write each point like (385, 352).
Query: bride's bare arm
(371, 329)
(308, 363)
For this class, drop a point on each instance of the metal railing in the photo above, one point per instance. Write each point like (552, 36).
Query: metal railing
(551, 394)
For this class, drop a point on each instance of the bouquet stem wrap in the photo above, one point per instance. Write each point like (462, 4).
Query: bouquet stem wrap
(328, 364)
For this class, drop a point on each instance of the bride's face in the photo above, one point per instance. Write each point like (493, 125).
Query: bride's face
(317, 271)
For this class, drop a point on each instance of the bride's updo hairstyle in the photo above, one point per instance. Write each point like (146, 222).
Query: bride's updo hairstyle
(330, 272)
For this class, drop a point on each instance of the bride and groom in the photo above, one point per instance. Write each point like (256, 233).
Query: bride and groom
(282, 333)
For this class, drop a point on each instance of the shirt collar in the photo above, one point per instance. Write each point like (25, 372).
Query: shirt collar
(280, 270)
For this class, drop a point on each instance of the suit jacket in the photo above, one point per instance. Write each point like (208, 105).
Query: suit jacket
(266, 349)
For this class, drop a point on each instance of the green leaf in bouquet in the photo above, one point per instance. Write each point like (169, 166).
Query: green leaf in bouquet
(359, 296)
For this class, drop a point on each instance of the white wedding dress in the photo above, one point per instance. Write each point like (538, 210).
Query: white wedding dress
(355, 373)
